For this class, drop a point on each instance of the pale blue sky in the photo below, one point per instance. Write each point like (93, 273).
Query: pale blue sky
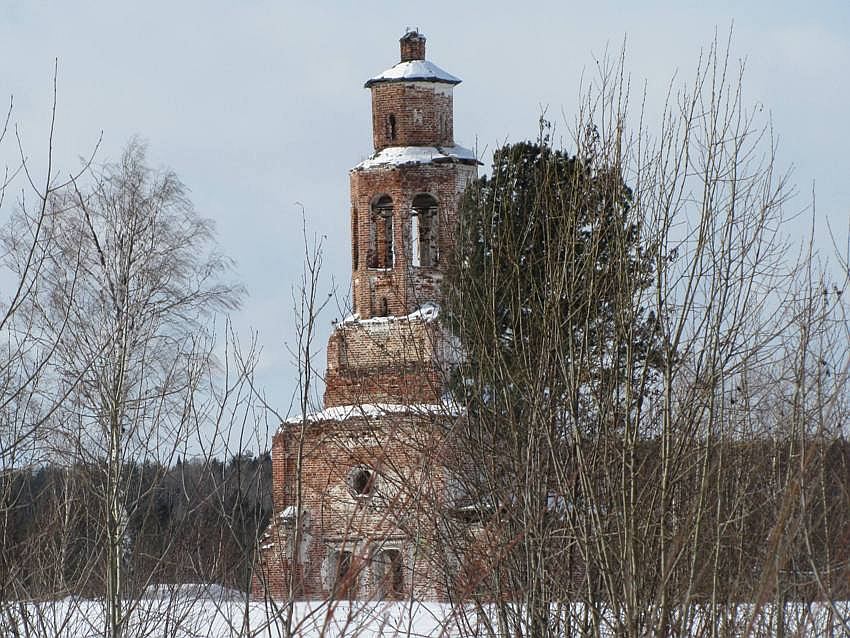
(258, 105)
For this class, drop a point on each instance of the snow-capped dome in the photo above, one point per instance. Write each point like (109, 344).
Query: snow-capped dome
(413, 71)
(408, 155)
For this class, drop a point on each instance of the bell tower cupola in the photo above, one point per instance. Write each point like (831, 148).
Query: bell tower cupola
(404, 198)
(404, 201)
(412, 101)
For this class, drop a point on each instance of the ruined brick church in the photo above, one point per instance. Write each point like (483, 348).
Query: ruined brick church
(357, 485)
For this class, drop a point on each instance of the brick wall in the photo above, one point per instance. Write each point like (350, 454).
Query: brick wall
(404, 452)
(412, 45)
(412, 114)
(384, 361)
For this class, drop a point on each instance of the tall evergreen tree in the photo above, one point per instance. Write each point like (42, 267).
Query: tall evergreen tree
(544, 292)
(545, 295)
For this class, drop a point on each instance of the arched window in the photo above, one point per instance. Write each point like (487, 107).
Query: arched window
(380, 253)
(342, 351)
(424, 249)
(388, 573)
(343, 577)
(391, 127)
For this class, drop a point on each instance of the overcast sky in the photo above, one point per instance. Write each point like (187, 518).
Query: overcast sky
(260, 105)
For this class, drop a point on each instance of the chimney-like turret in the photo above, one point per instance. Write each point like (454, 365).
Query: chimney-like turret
(412, 46)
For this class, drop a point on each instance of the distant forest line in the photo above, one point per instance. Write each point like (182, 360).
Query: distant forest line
(196, 521)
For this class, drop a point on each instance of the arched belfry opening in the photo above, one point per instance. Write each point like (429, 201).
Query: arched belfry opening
(380, 253)
(424, 229)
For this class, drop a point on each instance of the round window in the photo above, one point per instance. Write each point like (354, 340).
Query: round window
(361, 481)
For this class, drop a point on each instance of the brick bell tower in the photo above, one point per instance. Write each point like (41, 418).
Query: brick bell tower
(351, 481)
(403, 210)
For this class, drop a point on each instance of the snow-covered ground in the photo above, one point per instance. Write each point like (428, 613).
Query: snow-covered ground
(184, 614)
(197, 611)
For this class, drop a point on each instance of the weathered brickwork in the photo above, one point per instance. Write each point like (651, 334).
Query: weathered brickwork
(412, 114)
(395, 513)
(357, 485)
(392, 360)
(404, 286)
(412, 46)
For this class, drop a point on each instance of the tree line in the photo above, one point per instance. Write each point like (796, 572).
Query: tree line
(193, 522)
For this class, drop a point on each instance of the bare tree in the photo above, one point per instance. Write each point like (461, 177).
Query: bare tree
(622, 474)
(126, 294)
(26, 403)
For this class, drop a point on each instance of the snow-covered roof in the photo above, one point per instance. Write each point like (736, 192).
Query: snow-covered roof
(406, 155)
(376, 411)
(413, 71)
(429, 311)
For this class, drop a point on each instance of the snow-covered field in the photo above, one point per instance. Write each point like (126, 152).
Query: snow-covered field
(187, 615)
(204, 611)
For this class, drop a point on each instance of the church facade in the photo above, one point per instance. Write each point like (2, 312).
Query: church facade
(358, 485)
